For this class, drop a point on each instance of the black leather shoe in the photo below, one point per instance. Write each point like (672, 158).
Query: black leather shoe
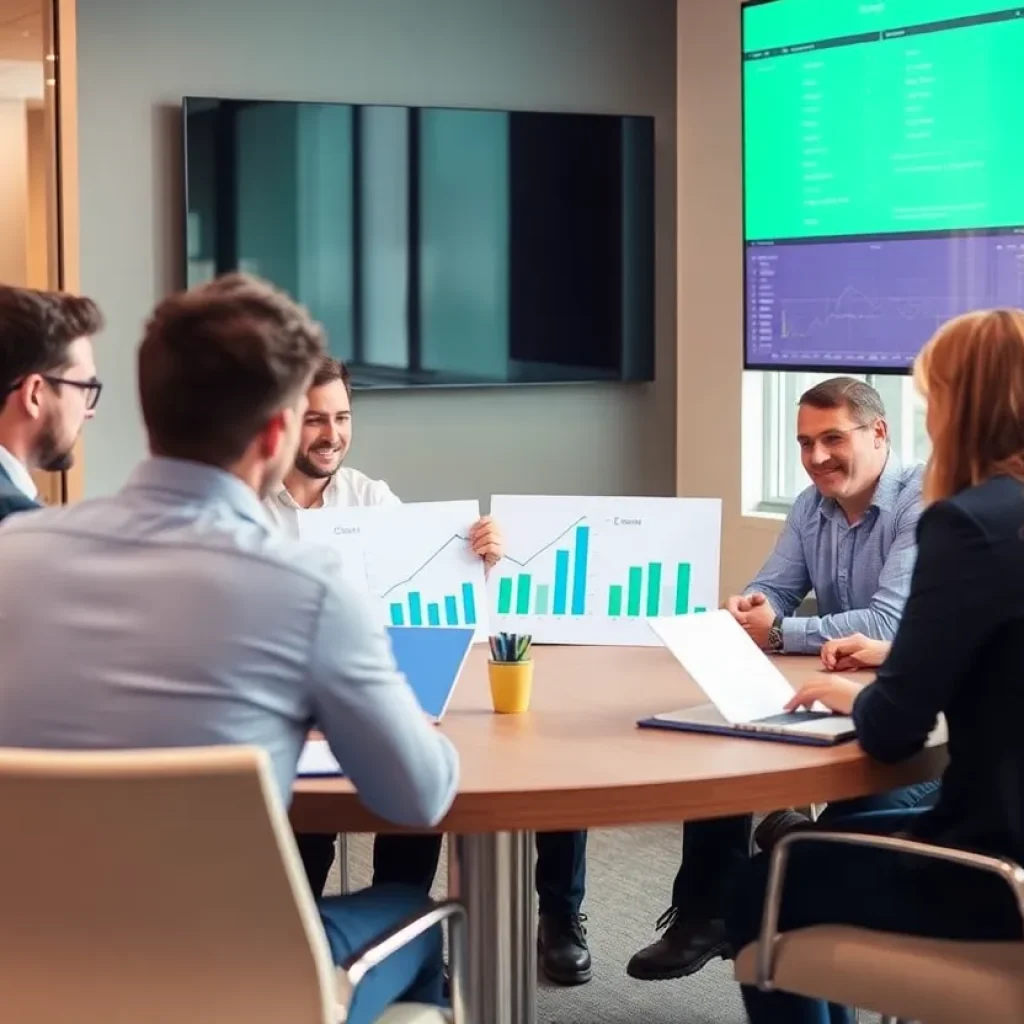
(778, 824)
(684, 949)
(562, 949)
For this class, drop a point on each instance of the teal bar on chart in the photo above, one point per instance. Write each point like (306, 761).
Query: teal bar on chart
(561, 582)
(683, 588)
(505, 596)
(540, 602)
(653, 587)
(579, 571)
(614, 600)
(636, 586)
(433, 614)
(468, 604)
(697, 611)
(397, 615)
(523, 594)
(451, 611)
(415, 609)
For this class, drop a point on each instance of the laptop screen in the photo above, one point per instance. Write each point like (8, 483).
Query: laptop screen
(431, 659)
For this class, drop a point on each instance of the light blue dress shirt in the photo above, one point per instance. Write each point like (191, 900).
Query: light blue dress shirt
(860, 574)
(173, 614)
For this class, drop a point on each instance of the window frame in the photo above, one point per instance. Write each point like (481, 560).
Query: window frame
(778, 477)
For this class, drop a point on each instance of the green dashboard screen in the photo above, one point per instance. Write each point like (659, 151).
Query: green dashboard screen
(886, 117)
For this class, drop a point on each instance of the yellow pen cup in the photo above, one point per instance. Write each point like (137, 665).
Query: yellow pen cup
(511, 685)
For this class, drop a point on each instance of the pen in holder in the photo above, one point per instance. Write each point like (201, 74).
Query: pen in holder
(510, 671)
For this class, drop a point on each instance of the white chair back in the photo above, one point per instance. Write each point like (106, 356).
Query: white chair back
(154, 886)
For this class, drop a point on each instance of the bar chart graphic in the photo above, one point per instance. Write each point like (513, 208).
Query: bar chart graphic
(414, 560)
(593, 570)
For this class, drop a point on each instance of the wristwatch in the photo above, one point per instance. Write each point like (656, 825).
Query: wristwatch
(775, 636)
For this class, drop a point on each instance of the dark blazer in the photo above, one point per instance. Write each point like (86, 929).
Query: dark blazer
(960, 650)
(11, 499)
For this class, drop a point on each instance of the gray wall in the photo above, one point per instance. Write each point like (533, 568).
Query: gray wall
(137, 59)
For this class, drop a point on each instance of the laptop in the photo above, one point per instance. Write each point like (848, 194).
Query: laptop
(747, 693)
(431, 658)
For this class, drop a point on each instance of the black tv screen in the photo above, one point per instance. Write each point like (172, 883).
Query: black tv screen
(437, 246)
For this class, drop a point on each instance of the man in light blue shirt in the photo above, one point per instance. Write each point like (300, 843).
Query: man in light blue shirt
(851, 538)
(174, 613)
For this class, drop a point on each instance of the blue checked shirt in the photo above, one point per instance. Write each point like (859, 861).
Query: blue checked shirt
(860, 574)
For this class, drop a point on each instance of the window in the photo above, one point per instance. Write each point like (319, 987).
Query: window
(773, 474)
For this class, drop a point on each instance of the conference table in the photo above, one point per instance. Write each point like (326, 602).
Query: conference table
(576, 760)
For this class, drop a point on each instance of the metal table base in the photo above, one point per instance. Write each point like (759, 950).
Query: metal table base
(494, 874)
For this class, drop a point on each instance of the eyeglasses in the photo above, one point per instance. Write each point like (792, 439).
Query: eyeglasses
(92, 388)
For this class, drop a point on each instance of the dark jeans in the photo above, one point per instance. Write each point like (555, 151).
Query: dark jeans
(714, 850)
(413, 974)
(868, 889)
(412, 861)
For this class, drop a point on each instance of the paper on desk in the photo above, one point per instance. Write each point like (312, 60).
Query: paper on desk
(734, 673)
(316, 759)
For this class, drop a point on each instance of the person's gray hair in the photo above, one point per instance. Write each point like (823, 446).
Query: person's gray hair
(862, 401)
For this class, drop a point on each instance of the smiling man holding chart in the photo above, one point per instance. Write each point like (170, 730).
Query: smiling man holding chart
(319, 480)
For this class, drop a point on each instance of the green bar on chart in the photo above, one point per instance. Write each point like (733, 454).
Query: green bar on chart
(505, 596)
(397, 615)
(540, 602)
(697, 611)
(433, 614)
(636, 587)
(614, 600)
(523, 594)
(415, 609)
(451, 611)
(653, 587)
(682, 588)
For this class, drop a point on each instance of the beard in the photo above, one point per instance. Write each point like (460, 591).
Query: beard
(307, 467)
(52, 455)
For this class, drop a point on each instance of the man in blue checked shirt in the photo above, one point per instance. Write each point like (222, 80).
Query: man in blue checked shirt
(851, 538)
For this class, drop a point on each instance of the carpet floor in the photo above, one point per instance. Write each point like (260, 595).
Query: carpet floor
(630, 871)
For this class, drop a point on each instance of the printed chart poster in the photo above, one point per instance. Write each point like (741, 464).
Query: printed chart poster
(593, 570)
(414, 560)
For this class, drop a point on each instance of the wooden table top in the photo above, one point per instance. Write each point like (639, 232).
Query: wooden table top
(577, 759)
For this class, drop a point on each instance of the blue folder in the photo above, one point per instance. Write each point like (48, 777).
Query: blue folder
(431, 659)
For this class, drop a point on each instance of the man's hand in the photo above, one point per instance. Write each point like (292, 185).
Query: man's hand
(486, 541)
(853, 652)
(835, 692)
(742, 603)
(755, 614)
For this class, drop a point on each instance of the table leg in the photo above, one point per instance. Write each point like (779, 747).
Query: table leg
(495, 880)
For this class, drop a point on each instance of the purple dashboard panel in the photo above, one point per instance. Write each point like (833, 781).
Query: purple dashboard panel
(870, 305)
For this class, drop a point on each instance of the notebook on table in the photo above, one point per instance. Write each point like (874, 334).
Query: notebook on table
(746, 692)
(431, 658)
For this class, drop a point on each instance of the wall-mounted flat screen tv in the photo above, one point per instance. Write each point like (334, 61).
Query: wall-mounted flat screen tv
(438, 247)
(882, 175)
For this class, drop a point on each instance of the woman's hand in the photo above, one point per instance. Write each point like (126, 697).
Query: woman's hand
(853, 652)
(835, 692)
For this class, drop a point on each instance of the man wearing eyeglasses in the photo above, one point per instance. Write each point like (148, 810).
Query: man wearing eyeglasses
(48, 386)
(851, 539)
